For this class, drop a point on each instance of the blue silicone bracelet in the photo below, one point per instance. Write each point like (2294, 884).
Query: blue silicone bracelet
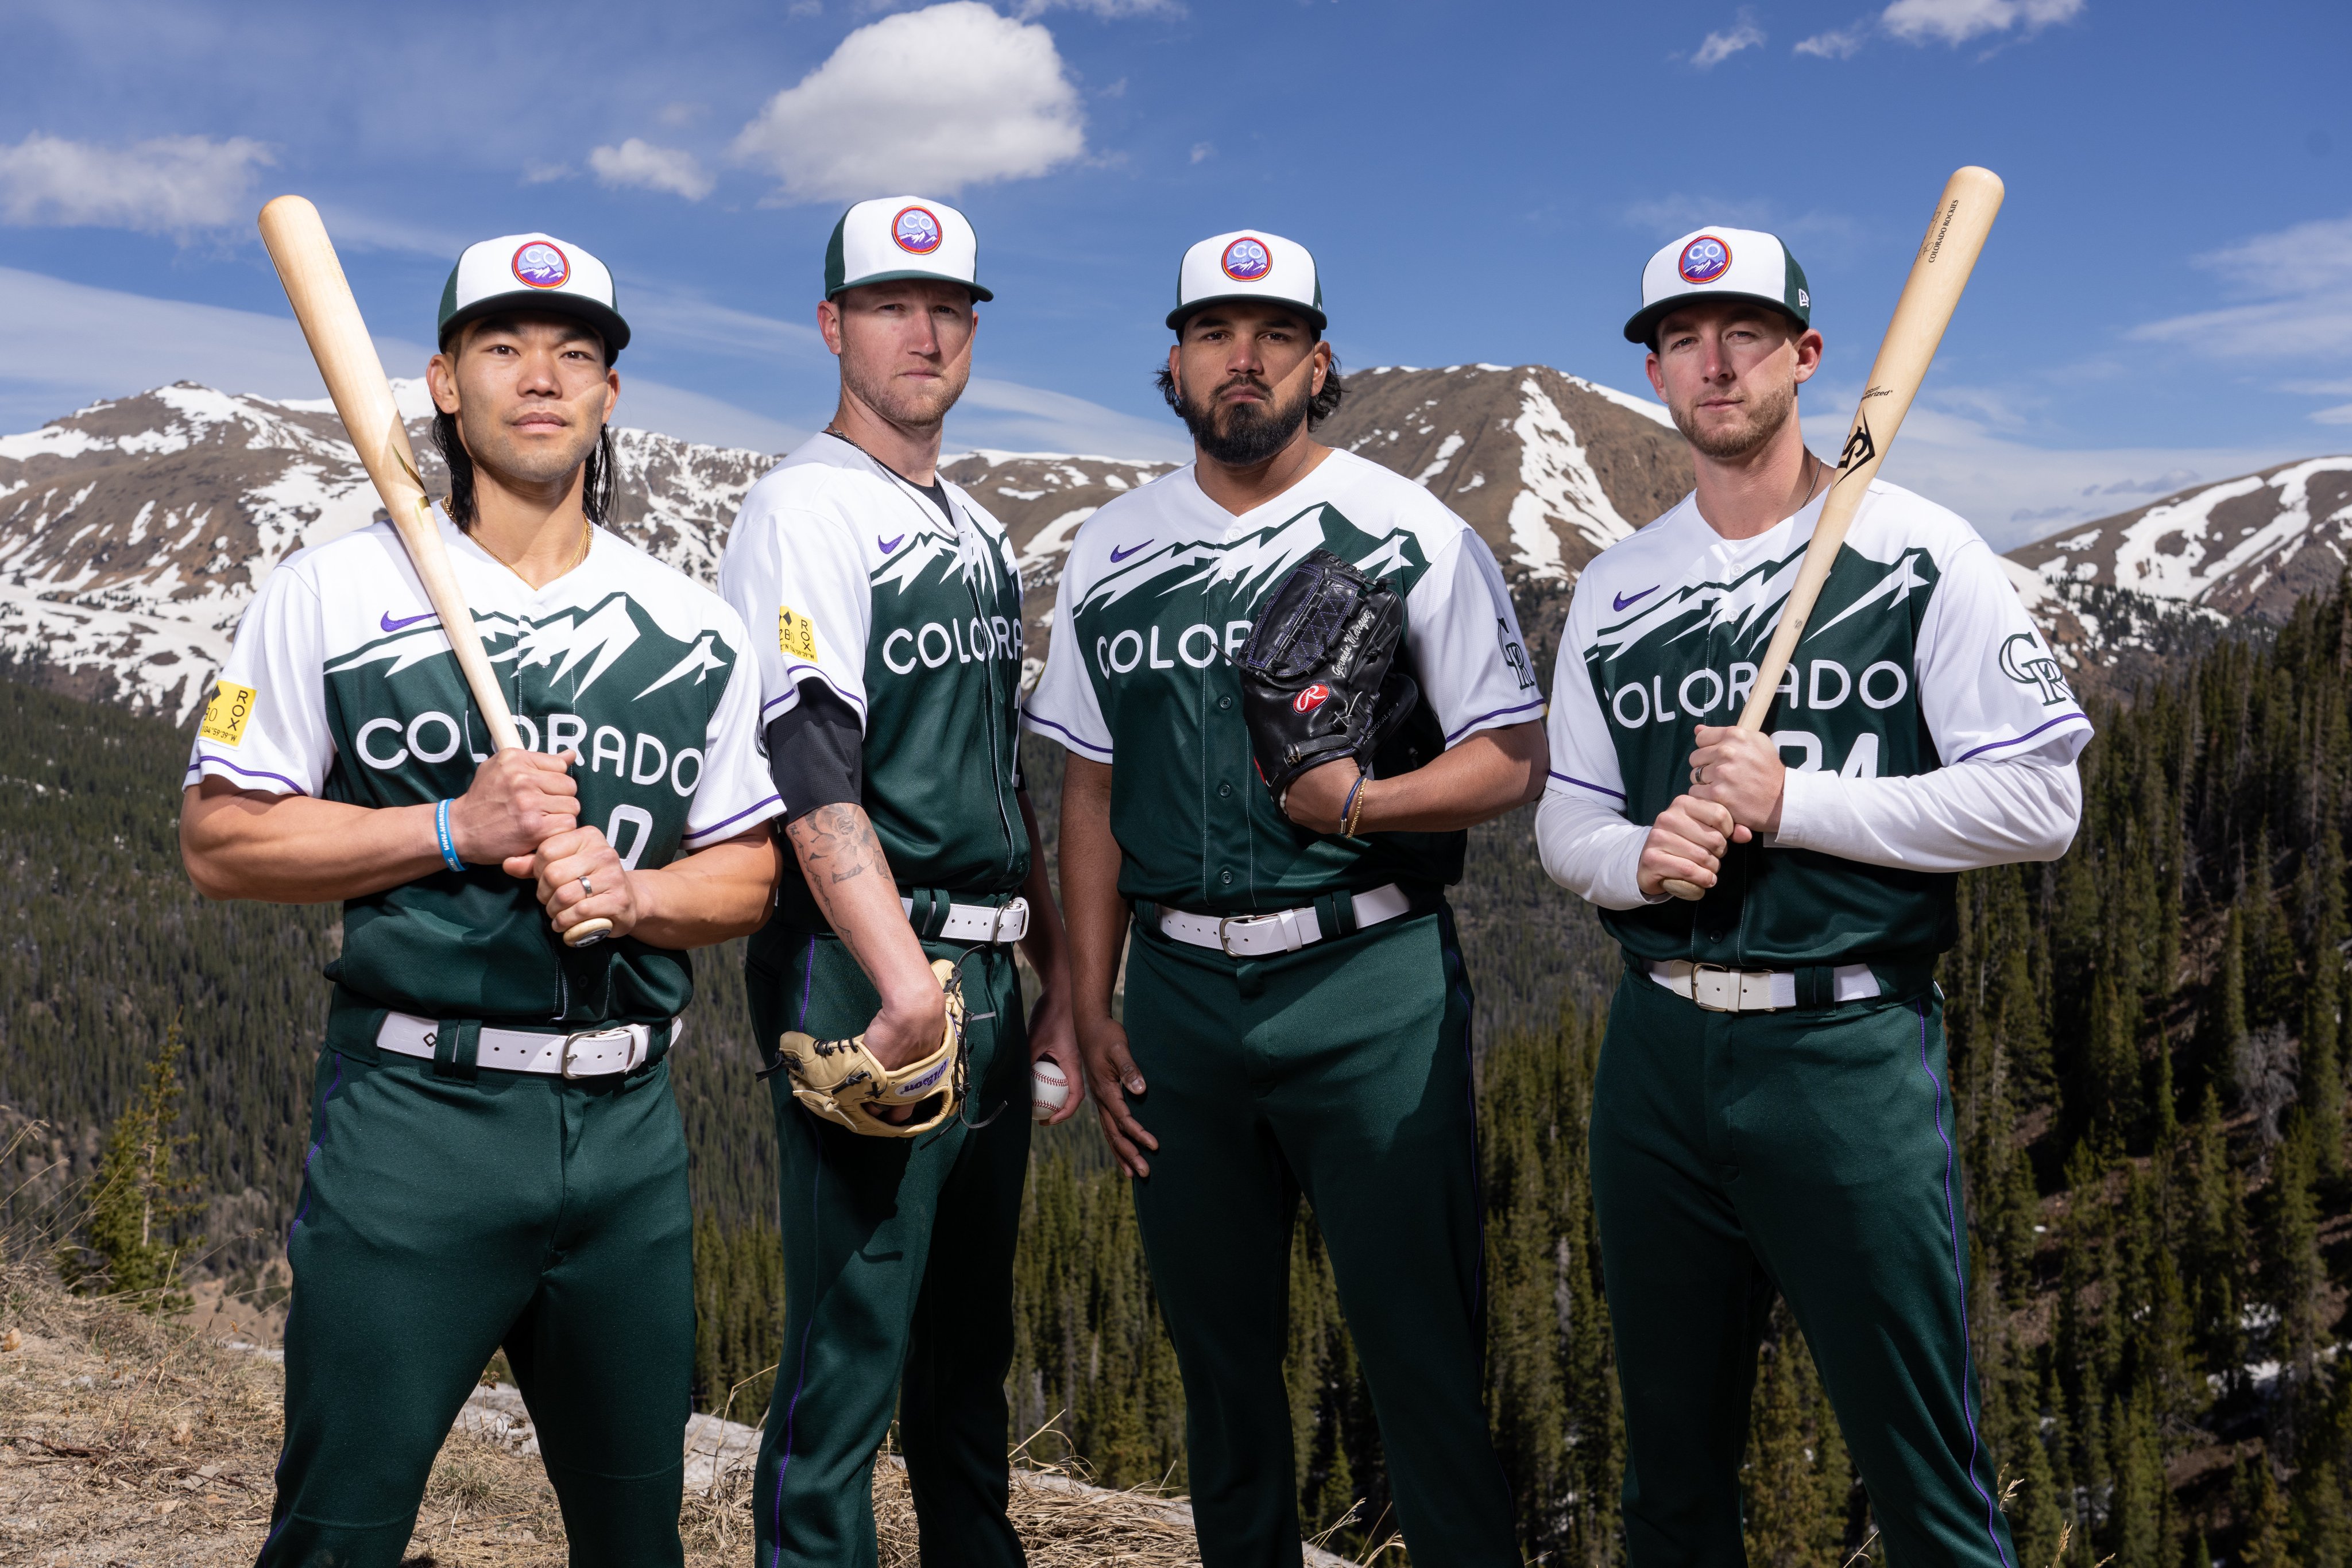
(1350, 805)
(449, 845)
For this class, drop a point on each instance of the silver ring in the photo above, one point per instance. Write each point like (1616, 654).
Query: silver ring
(1698, 776)
(587, 888)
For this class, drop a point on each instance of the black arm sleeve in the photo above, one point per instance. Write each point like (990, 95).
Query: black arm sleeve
(816, 752)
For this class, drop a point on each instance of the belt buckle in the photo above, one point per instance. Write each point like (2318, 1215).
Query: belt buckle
(1698, 969)
(1226, 920)
(573, 1041)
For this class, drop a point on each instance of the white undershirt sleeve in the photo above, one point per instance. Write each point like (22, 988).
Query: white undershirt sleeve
(1589, 848)
(1982, 812)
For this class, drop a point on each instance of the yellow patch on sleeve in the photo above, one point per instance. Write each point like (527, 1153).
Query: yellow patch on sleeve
(226, 715)
(795, 633)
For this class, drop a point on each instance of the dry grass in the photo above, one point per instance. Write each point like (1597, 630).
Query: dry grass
(127, 1442)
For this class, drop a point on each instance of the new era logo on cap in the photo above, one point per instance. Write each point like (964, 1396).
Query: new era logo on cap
(891, 238)
(1248, 263)
(536, 273)
(1740, 264)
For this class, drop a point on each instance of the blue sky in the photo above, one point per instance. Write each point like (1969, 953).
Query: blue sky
(2167, 295)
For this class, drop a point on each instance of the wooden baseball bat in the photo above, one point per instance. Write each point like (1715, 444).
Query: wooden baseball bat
(1955, 238)
(322, 297)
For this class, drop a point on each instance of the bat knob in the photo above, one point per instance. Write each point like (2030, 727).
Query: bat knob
(588, 933)
(1686, 891)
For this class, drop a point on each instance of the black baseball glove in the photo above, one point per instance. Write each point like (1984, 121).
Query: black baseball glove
(1320, 676)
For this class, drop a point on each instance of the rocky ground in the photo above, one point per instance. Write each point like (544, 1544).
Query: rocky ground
(127, 1441)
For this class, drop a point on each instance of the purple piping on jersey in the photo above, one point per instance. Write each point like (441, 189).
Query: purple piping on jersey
(800, 1382)
(1036, 719)
(2029, 734)
(1483, 717)
(1582, 784)
(808, 979)
(202, 759)
(705, 832)
(279, 1475)
(1960, 1279)
(313, 1155)
(797, 670)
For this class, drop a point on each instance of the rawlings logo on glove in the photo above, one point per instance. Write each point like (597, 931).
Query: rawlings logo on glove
(1319, 674)
(844, 1083)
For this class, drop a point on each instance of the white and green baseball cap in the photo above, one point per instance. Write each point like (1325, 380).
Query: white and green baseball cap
(532, 271)
(894, 238)
(1248, 263)
(1735, 264)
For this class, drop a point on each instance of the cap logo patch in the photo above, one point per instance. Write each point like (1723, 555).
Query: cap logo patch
(1703, 260)
(542, 266)
(917, 230)
(1246, 260)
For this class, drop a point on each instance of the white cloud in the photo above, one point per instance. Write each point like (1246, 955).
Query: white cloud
(1958, 21)
(1718, 48)
(538, 174)
(2339, 414)
(1203, 151)
(994, 104)
(1107, 9)
(66, 345)
(2296, 288)
(1838, 44)
(688, 322)
(172, 185)
(2013, 492)
(638, 164)
(1007, 416)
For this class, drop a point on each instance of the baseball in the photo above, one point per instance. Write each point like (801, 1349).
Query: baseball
(1049, 1089)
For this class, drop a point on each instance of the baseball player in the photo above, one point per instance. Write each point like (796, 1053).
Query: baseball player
(1296, 1014)
(495, 1160)
(891, 699)
(1771, 1111)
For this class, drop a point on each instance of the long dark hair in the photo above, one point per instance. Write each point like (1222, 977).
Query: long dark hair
(1319, 407)
(595, 489)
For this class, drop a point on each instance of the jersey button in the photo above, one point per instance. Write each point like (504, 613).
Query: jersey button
(1224, 792)
(1226, 877)
(1224, 702)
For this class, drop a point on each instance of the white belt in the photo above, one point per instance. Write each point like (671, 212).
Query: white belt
(1286, 931)
(981, 921)
(586, 1053)
(1720, 990)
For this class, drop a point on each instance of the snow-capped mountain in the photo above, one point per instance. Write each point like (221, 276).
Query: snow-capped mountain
(2246, 547)
(134, 533)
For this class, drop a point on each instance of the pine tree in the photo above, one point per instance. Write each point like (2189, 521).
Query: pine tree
(129, 1248)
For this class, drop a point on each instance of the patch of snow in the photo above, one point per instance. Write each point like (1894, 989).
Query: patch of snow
(1445, 451)
(1558, 486)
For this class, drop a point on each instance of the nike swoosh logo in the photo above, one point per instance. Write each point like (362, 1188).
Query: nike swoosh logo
(886, 546)
(1623, 599)
(389, 625)
(1117, 555)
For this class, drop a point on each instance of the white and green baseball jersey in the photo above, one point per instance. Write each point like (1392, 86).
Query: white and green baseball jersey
(1157, 599)
(1918, 655)
(914, 620)
(342, 684)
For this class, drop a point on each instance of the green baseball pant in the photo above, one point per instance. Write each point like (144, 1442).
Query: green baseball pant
(897, 1280)
(1341, 1072)
(1808, 1152)
(446, 1214)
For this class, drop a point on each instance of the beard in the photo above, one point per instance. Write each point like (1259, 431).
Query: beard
(909, 404)
(1250, 432)
(1761, 418)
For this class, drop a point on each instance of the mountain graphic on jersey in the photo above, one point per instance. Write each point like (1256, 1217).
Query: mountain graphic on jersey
(1845, 703)
(935, 558)
(1240, 571)
(605, 681)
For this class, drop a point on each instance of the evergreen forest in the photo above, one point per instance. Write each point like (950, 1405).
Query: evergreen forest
(2148, 1070)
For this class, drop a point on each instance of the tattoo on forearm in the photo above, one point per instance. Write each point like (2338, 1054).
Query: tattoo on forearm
(835, 844)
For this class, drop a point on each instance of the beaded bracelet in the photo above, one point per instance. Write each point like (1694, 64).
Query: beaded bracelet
(1348, 813)
(448, 844)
